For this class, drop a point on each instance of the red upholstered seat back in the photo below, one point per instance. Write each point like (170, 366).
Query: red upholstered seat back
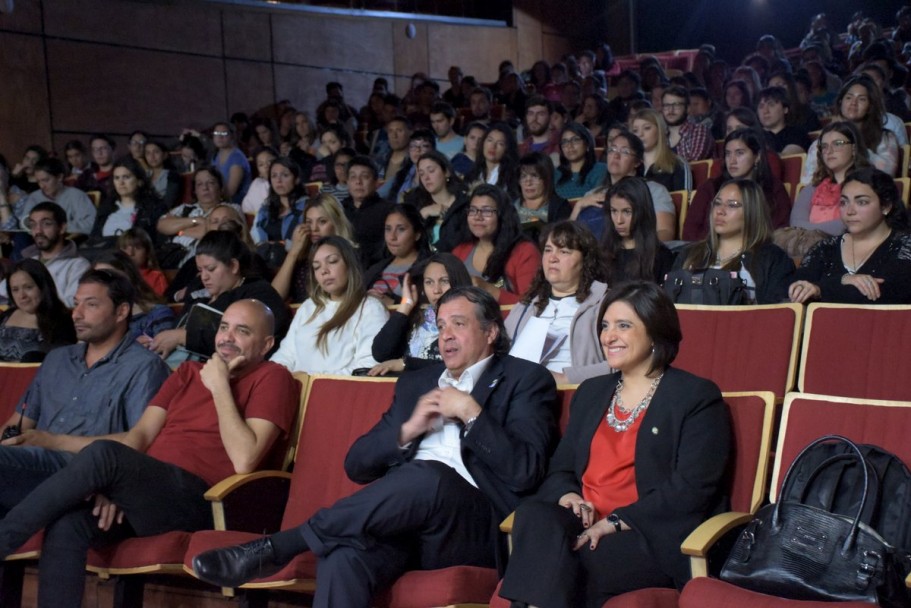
(565, 396)
(711, 593)
(339, 410)
(741, 348)
(14, 380)
(857, 351)
(752, 416)
(808, 417)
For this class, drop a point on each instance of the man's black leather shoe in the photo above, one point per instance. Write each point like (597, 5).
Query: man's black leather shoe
(234, 566)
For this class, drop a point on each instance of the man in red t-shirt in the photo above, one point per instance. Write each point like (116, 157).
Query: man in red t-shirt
(206, 423)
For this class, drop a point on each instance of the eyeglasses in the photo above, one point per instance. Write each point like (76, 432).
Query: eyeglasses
(838, 144)
(484, 212)
(138, 142)
(572, 141)
(529, 177)
(731, 205)
(675, 105)
(621, 151)
(221, 133)
(420, 146)
(32, 224)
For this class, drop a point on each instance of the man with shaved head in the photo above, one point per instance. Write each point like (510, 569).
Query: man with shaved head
(208, 421)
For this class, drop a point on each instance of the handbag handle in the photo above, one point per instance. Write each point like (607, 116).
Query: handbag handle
(852, 536)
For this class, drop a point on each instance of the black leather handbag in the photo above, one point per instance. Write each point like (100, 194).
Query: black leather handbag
(797, 551)
(710, 286)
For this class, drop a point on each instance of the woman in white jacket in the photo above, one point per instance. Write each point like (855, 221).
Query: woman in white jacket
(333, 331)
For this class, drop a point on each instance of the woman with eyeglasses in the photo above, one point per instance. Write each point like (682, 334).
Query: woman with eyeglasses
(745, 156)
(579, 171)
(740, 241)
(538, 203)
(860, 101)
(406, 244)
(338, 178)
(499, 258)
(231, 163)
(871, 262)
(624, 159)
(406, 179)
(839, 151)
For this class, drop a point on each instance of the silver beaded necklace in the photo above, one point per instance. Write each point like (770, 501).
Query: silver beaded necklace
(616, 403)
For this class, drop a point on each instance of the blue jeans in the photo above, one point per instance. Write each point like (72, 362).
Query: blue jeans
(22, 469)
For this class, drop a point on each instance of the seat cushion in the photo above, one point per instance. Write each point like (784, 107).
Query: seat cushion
(455, 585)
(712, 593)
(167, 548)
(645, 598)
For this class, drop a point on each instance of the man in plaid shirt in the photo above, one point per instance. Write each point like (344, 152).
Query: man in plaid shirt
(690, 141)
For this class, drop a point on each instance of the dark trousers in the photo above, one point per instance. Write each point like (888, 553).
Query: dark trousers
(23, 468)
(155, 497)
(421, 515)
(545, 571)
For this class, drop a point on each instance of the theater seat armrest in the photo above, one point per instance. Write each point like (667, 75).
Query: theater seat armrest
(253, 502)
(224, 487)
(700, 540)
(506, 524)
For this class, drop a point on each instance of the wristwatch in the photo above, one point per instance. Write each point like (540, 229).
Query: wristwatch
(614, 520)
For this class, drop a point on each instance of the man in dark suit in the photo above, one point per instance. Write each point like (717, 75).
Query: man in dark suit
(462, 442)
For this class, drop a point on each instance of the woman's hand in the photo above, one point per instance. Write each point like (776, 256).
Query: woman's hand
(409, 296)
(381, 296)
(381, 369)
(803, 291)
(300, 238)
(167, 341)
(594, 534)
(865, 284)
(590, 200)
(582, 508)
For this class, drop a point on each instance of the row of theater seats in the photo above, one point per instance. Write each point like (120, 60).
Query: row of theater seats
(750, 352)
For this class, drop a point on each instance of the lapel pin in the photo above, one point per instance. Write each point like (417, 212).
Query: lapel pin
(494, 383)
(654, 430)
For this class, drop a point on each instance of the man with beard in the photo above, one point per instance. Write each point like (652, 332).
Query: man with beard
(81, 392)
(208, 421)
(540, 137)
(688, 140)
(47, 225)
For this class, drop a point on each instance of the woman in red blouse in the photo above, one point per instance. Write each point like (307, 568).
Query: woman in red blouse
(640, 466)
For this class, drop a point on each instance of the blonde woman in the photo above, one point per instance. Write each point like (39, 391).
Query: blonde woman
(660, 163)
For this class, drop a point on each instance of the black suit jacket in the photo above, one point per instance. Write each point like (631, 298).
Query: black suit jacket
(682, 451)
(507, 449)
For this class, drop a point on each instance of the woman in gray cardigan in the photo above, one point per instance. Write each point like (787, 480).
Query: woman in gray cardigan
(556, 322)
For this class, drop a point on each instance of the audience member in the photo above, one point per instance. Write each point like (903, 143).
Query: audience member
(137, 244)
(618, 501)
(555, 323)
(442, 201)
(869, 264)
(660, 164)
(48, 227)
(630, 242)
(442, 119)
(539, 137)
(23, 174)
(36, 321)
(498, 158)
(860, 102)
(499, 258)
(773, 109)
(281, 213)
(740, 241)
(333, 331)
(134, 204)
(162, 177)
(744, 158)
(579, 170)
(406, 244)
(538, 203)
(410, 339)
(258, 191)
(365, 209)
(463, 163)
(323, 217)
(231, 163)
(687, 139)
(206, 423)
(50, 174)
(98, 177)
(77, 158)
(337, 182)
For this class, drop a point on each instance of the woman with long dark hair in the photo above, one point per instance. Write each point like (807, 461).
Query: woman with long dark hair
(538, 203)
(283, 209)
(498, 257)
(135, 203)
(579, 171)
(150, 315)
(745, 156)
(36, 321)
(409, 339)
(162, 177)
(497, 160)
(406, 244)
(442, 200)
(632, 250)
